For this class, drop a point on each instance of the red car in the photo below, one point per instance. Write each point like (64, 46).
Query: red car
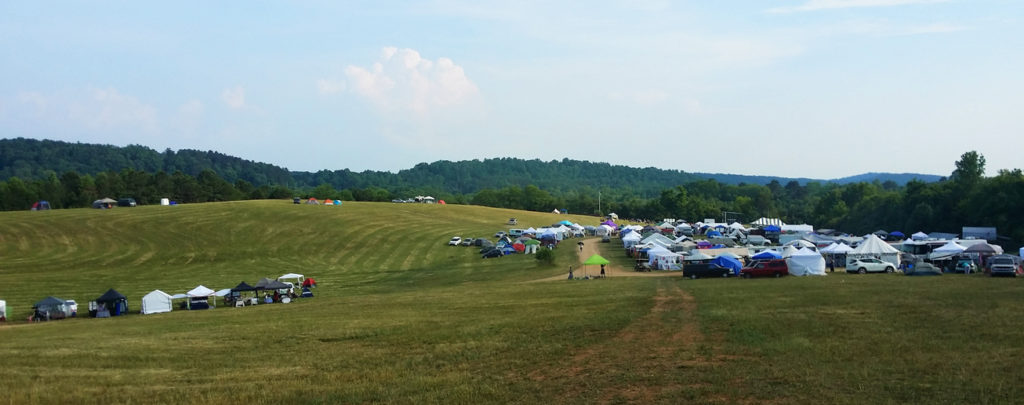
(765, 268)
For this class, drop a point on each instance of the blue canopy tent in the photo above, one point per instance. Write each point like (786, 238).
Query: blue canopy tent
(713, 234)
(767, 255)
(565, 222)
(729, 263)
(772, 228)
(897, 234)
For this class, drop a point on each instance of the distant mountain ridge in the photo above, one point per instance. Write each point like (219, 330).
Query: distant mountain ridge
(30, 159)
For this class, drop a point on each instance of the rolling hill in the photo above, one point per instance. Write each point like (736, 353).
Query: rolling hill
(30, 159)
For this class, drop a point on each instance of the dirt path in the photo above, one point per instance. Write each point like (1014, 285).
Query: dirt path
(611, 270)
(646, 362)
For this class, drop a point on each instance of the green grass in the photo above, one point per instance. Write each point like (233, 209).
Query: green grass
(401, 317)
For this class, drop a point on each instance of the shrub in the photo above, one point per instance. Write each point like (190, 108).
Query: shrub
(545, 256)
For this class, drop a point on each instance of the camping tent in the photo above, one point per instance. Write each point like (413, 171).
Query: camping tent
(156, 302)
(873, 246)
(531, 246)
(3, 310)
(51, 308)
(41, 205)
(111, 303)
(806, 262)
(919, 236)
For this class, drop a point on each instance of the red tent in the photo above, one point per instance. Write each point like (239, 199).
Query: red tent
(441, 202)
(309, 282)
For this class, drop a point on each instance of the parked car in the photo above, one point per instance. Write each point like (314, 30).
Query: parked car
(965, 266)
(1003, 265)
(455, 241)
(870, 265)
(126, 202)
(492, 252)
(698, 270)
(922, 268)
(467, 242)
(500, 234)
(765, 268)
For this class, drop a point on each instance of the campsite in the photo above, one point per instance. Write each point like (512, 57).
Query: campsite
(401, 317)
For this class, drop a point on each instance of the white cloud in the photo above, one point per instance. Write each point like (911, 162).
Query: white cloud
(815, 5)
(403, 80)
(887, 29)
(109, 109)
(330, 86)
(234, 97)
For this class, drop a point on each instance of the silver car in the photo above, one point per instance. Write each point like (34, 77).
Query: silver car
(870, 265)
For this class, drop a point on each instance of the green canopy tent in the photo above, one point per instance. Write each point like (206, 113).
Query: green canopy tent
(595, 259)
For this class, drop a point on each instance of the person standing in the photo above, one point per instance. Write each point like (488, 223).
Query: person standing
(570, 272)
(602, 271)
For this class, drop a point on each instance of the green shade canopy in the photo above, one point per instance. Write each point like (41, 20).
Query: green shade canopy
(596, 259)
(531, 242)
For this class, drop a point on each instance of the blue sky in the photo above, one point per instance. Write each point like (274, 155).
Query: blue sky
(815, 88)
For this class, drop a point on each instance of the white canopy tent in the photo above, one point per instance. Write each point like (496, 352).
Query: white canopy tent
(806, 262)
(919, 236)
(945, 251)
(156, 302)
(604, 230)
(873, 246)
(3, 310)
(200, 292)
(663, 259)
(788, 251)
(294, 278)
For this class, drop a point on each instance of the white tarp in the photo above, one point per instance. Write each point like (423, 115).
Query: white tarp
(872, 246)
(156, 302)
(806, 262)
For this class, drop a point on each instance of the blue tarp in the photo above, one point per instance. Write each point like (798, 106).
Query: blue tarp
(772, 228)
(713, 234)
(729, 263)
(766, 255)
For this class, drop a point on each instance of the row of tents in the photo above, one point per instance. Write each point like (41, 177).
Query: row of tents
(113, 303)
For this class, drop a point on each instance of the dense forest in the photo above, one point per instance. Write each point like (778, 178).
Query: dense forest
(966, 198)
(30, 159)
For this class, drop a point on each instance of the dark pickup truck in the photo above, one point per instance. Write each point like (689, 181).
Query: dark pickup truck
(698, 270)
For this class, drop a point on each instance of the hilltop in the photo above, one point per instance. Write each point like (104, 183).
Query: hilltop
(31, 159)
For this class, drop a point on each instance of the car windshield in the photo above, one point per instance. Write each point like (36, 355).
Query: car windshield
(1002, 261)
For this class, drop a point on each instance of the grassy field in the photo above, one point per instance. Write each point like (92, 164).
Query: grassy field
(400, 317)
